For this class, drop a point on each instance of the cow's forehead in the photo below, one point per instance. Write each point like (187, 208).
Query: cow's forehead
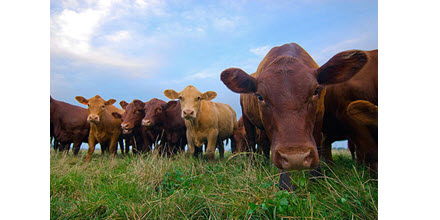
(96, 100)
(294, 77)
(190, 91)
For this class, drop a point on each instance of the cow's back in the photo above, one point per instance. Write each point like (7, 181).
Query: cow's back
(363, 86)
(227, 120)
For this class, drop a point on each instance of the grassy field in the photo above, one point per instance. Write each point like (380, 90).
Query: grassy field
(154, 187)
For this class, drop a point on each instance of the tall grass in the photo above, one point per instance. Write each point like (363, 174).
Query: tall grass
(182, 187)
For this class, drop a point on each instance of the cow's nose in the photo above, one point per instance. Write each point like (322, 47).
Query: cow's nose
(297, 160)
(146, 122)
(93, 118)
(188, 113)
(124, 125)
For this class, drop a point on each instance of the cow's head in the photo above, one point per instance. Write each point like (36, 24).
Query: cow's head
(363, 111)
(288, 91)
(154, 113)
(132, 116)
(190, 99)
(95, 107)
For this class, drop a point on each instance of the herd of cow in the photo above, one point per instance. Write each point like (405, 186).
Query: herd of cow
(291, 108)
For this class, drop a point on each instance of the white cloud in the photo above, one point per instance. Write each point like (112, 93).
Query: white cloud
(226, 23)
(74, 29)
(261, 51)
(119, 36)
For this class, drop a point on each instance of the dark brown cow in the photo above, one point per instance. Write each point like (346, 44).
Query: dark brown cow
(284, 98)
(68, 125)
(166, 116)
(338, 125)
(104, 128)
(241, 143)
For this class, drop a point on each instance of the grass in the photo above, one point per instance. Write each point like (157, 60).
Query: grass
(154, 187)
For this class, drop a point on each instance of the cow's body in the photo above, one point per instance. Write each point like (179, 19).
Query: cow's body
(166, 116)
(206, 121)
(285, 99)
(68, 125)
(262, 142)
(131, 125)
(104, 128)
(338, 125)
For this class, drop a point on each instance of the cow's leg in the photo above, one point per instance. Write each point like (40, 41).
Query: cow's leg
(250, 133)
(56, 144)
(76, 146)
(285, 181)
(212, 141)
(352, 149)
(113, 146)
(265, 144)
(221, 148)
(121, 145)
(233, 144)
(326, 150)
(190, 140)
(92, 143)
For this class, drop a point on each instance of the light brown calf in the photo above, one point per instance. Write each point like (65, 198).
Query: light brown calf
(104, 128)
(205, 121)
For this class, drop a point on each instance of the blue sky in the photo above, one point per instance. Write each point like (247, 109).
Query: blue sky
(137, 49)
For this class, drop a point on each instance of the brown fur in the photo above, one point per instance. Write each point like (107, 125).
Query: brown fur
(166, 116)
(280, 100)
(104, 128)
(337, 124)
(206, 121)
(68, 125)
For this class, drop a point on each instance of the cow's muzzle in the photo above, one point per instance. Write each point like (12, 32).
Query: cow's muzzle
(296, 158)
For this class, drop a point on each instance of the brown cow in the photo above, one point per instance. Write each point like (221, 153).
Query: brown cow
(166, 117)
(131, 125)
(338, 125)
(284, 98)
(68, 125)
(205, 121)
(241, 142)
(104, 128)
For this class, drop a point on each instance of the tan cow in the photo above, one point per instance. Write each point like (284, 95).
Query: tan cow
(205, 121)
(104, 128)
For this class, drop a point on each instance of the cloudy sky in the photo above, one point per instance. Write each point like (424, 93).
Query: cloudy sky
(136, 49)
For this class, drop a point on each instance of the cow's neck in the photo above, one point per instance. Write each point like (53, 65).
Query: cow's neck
(103, 122)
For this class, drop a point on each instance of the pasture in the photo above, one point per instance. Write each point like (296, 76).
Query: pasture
(182, 187)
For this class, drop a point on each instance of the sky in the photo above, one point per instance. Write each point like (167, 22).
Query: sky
(129, 50)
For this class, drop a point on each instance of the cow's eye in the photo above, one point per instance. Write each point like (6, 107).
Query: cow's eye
(259, 97)
(103, 106)
(317, 90)
(198, 98)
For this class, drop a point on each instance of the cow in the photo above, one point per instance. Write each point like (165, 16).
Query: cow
(104, 128)
(338, 125)
(166, 116)
(285, 99)
(131, 125)
(68, 125)
(241, 142)
(205, 121)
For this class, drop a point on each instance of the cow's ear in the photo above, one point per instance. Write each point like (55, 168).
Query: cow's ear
(238, 80)
(123, 104)
(209, 95)
(363, 111)
(82, 100)
(171, 104)
(138, 104)
(110, 102)
(171, 94)
(341, 67)
(116, 115)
